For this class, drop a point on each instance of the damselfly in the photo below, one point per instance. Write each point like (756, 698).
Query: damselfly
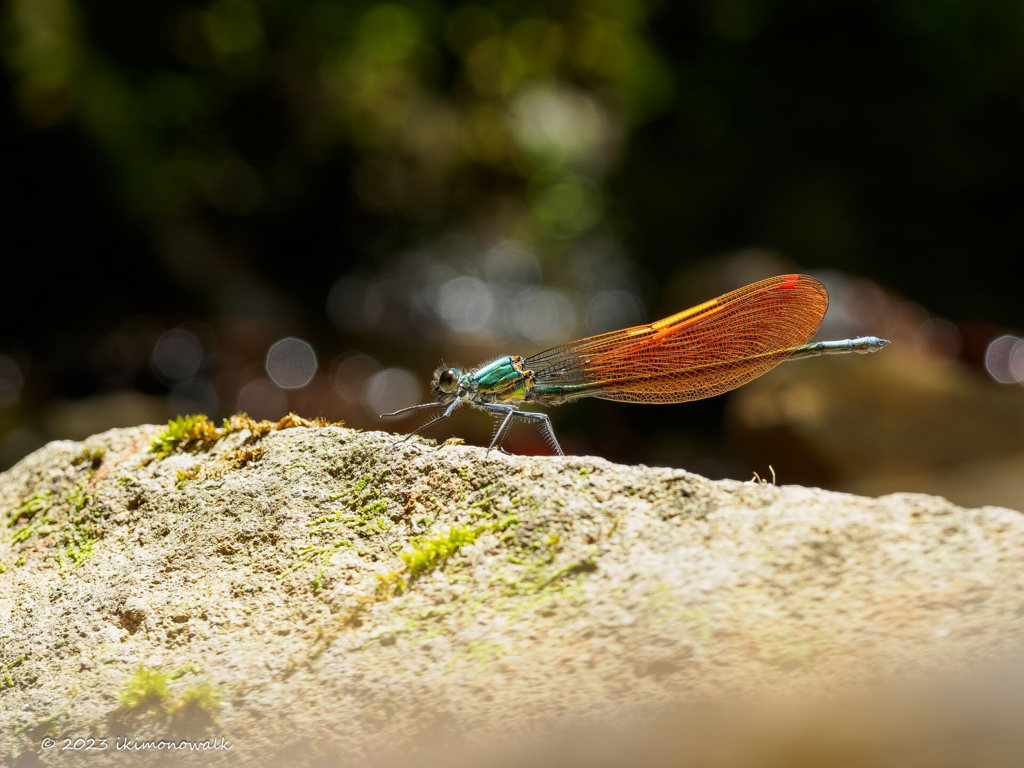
(701, 352)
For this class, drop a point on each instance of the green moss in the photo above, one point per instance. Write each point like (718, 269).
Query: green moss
(557, 598)
(6, 681)
(91, 455)
(78, 498)
(29, 509)
(185, 433)
(485, 652)
(184, 670)
(204, 698)
(428, 553)
(311, 553)
(147, 689)
(22, 534)
(365, 512)
(41, 727)
(583, 566)
(360, 486)
(76, 540)
(244, 457)
(371, 518)
(239, 458)
(79, 548)
(186, 475)
(538, 576)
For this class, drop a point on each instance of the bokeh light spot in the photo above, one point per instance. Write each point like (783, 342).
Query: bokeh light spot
(177, 355)
(391, 389)
(546, 315)
(291, 363)
(388, 32)
(261, 399)
(510, 262)
(559, 123)
(569, 206)
(1004, 359)
(465, 304)
(349, 375)
(1017, 363)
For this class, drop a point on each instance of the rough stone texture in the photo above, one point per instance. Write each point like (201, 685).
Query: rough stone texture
(590, 588)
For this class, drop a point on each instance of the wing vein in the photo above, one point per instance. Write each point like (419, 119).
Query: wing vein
(700, 352)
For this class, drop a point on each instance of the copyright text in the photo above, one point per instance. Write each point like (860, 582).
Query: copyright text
(125, 744)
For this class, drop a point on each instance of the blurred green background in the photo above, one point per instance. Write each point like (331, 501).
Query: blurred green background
(267, 206)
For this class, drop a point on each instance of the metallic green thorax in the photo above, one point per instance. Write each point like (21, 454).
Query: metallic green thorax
(502, 380)
(497, 376)
(507, 380)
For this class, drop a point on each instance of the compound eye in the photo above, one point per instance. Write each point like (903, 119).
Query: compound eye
(447, 381)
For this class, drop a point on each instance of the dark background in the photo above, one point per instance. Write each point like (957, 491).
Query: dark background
(186, 184)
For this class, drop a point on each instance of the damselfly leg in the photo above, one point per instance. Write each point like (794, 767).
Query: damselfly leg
(506, 413)
(410, 408)
(544, 422)
(509, 414)
(447, 412)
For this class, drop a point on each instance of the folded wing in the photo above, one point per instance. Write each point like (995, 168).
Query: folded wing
(704, 351)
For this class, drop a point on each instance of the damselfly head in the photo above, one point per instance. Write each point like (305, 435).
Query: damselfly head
(446, 381)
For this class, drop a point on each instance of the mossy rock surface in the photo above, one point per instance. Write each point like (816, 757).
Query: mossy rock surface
(322, 586)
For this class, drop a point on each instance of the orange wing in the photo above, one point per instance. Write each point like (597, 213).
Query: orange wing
(701, 352)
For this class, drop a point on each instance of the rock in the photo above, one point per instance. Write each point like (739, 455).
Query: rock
(347, 590)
